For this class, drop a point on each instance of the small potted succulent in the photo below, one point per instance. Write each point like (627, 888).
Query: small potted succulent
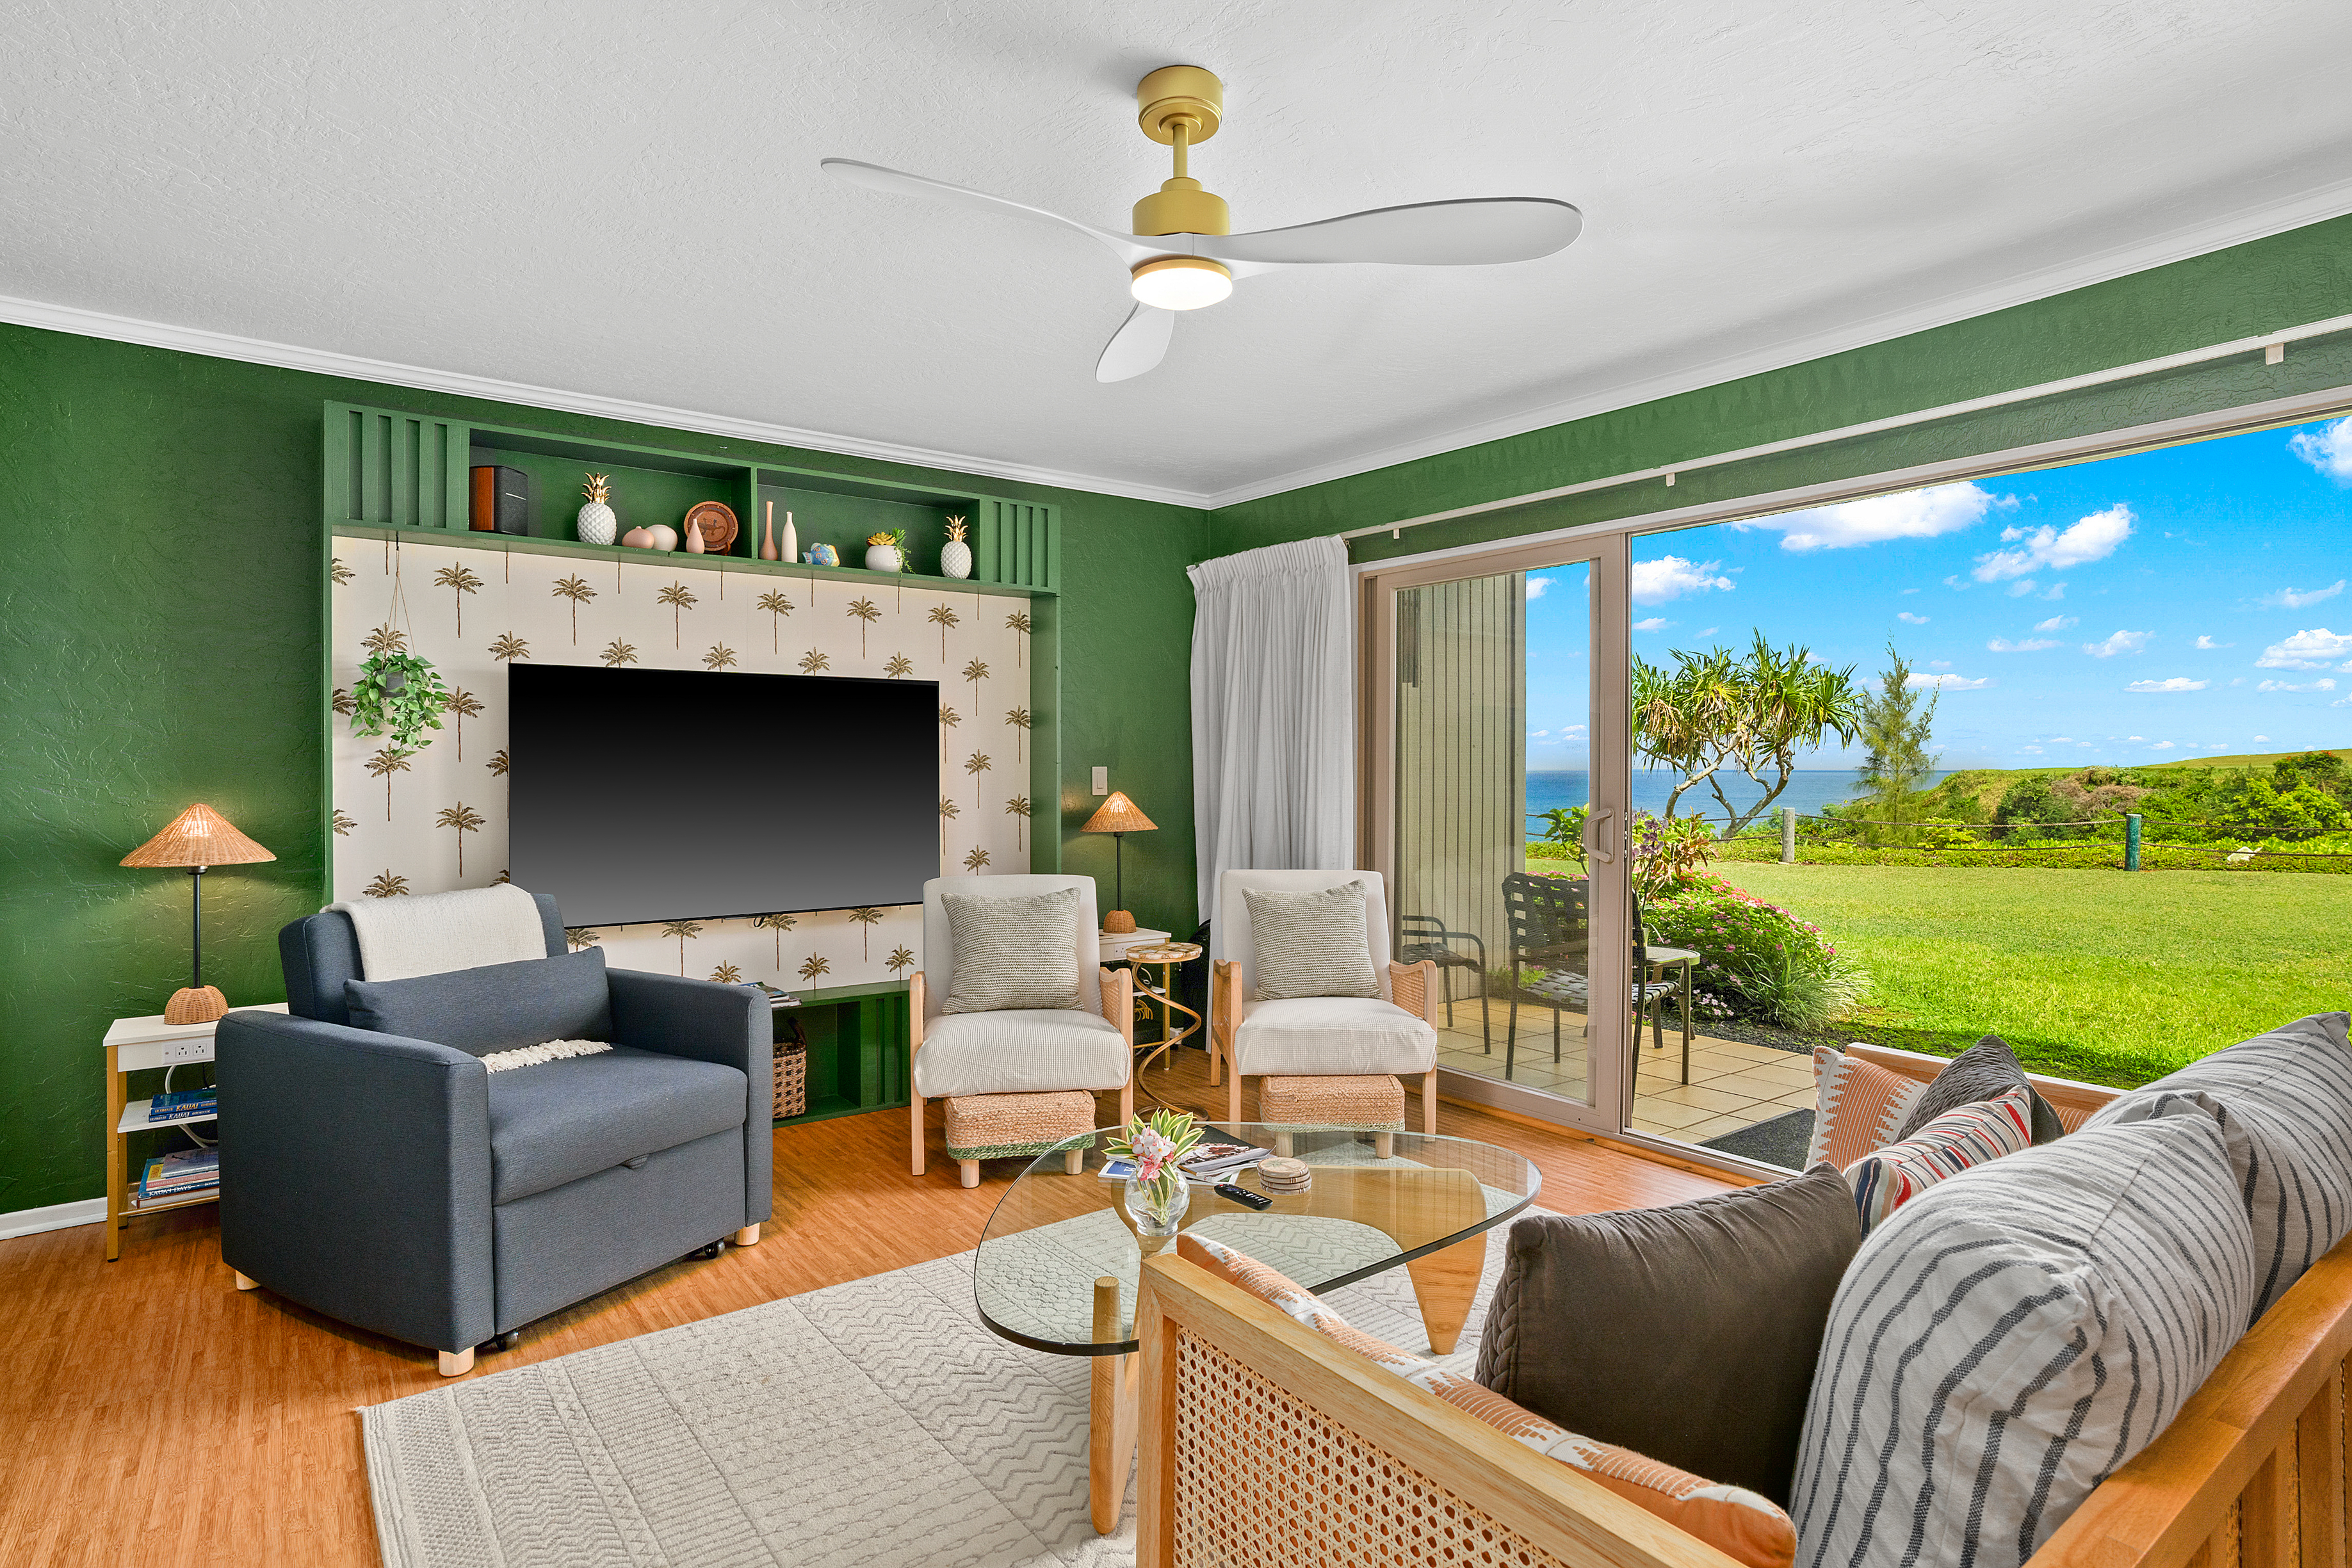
(1157, 1193)
(887, 550)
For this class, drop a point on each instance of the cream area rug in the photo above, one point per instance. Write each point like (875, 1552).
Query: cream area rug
(873, 1425)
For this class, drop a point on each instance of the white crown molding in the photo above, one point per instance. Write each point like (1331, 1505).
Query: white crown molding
(325, 362)
(2329, 201)
(56, 1216)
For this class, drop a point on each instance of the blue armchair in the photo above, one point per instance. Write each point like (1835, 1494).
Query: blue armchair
(398, 1184)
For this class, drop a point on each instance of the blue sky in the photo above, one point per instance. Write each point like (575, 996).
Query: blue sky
(2161, 606)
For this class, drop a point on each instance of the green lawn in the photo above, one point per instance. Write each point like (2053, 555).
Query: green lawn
(2098, 975)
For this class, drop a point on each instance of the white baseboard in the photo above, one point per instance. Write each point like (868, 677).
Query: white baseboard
(56, 1216)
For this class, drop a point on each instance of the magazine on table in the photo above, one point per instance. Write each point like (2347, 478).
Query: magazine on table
(1219, 1157)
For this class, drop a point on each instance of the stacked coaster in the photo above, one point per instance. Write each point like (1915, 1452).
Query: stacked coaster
(1279, 1176)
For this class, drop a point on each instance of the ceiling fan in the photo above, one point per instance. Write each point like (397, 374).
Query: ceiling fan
(1181, 256)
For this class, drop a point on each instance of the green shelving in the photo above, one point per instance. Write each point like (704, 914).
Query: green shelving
(857, 1057)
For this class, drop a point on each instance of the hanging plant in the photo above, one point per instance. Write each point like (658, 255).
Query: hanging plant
(399, 695)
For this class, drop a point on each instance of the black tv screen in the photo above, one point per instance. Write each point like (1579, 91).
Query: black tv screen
(649, 795)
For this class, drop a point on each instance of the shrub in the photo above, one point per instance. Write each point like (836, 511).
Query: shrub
(1749, 950)
(1804, 997)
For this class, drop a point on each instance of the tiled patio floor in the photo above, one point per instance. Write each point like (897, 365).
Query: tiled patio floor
(1732, 1084)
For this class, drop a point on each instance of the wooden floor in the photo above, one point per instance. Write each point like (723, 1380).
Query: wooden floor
(150, 1413)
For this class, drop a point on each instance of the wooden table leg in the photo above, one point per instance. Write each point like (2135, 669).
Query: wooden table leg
(1444, 1282)
(117, 1176)
(1110, 1420)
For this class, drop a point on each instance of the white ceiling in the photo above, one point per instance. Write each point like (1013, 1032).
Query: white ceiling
(622, 202)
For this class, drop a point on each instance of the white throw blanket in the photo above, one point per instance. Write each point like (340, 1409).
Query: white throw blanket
(433, 933)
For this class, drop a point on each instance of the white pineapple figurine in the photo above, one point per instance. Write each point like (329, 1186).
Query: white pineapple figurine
(955, 556)
(596, 523)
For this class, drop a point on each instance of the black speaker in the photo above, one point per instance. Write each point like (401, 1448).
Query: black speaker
(501, 500)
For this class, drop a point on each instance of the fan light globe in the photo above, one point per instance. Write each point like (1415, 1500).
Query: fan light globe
(1181, 282)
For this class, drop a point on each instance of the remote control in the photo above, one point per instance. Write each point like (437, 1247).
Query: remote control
(1242, 1195)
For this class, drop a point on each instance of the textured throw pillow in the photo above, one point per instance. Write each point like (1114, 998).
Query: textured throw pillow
(1986, 1071)
(1647, 1328)
(1007, 953)
(1736, 1521)
(1857, 1107)
(2011, 1336)
(1311, 944)
(497, 1007)
(1887, 1178)
(2284, 1102)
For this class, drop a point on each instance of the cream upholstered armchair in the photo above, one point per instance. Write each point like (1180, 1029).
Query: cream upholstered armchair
(986, 1058)
(1394, 1033)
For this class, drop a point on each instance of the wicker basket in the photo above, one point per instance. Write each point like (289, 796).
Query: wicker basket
(1000, 1126)
(791, 1076)
(1377, 1100)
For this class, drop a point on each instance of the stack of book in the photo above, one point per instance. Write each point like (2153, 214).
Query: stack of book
(776, 998)
(183, 1105)
(178, 1176)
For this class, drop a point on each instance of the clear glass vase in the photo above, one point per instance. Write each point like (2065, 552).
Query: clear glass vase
(1157, 1206)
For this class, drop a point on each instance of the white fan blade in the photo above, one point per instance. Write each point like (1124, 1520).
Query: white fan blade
(874, 177)
(1428, 233)
(1140, 342)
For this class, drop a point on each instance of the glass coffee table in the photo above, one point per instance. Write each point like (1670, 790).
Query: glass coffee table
(1059, 1262)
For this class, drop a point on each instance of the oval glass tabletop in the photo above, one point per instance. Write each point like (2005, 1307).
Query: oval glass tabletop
(1054, 1233)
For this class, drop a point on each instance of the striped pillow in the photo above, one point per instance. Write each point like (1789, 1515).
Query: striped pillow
(2011, 1336)
(1736, 1521)
(1885, 1180)
(1857, 1106)
(1007, 953)
(1311, 944)
(1986, 1070)
(2284, 1102)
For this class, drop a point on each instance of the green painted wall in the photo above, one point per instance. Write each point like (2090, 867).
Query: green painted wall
(160, 560)
(2303, 276)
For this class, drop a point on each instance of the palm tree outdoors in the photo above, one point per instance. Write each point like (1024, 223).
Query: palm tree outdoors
(1717, 713)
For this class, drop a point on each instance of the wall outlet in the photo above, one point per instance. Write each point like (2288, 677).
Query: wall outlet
(179, 1051)
(1102, 781)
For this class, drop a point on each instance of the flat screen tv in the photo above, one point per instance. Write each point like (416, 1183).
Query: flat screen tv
(653, 795)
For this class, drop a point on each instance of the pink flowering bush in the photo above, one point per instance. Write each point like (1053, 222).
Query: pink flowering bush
(1764, 961)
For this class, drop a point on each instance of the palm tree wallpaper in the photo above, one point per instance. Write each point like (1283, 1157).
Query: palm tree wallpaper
(430, 820)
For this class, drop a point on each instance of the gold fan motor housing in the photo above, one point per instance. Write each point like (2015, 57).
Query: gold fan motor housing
(1182, 207)
(1181, 106)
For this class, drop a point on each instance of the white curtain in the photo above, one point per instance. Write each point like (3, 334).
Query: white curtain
(1274, 753)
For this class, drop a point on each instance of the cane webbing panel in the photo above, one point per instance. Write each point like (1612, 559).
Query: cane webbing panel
(1264, 1480)
(1374, 1101)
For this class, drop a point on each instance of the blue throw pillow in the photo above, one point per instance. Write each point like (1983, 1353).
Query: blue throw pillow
(497, 1006)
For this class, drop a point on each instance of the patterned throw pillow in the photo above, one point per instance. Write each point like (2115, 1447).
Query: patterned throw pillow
(1986, 1071)
(2011, 1336)
(1857, 1106)
(1006, 953)
(2284, 1102)
(1737, 1523)
(1311, 944)
(1884, 1180)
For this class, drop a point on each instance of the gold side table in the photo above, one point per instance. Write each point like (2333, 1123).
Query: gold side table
(1164, 957)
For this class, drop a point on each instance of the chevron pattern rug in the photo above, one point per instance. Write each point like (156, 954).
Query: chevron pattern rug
(873, 1425)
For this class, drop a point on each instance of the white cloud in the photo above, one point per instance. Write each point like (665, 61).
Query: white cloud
(1949, 682)
(1956, 584)
(1535, 586)
(2161, 745)
(2057, 591)
(2094, 537)
(1671, 577)
(1910, 620)
(1571, 729)
(1708, 631)
(2056, 623)
(2119, 643)
(2176, 683)
(2209, 645)
(2321, 684)
(2061, 741)
(2261, 738)
(1654, 624)
(1912, 515)
(1910, 591)
(2020, 590)
(2029, 750)
(2293, 599)
(1939, 664)
(2312, 649)
(2131, 737)
(2328, 449)
(2030, 645)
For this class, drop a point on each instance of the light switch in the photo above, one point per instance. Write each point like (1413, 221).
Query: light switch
(1102, 781)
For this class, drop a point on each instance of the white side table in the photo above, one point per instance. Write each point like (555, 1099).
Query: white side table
(141, 1045)
(1114, 944)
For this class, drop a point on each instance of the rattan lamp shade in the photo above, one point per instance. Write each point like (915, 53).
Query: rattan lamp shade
(197, 836)
(1119, 815)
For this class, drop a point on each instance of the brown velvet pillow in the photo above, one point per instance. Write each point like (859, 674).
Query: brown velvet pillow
(1688, 1333)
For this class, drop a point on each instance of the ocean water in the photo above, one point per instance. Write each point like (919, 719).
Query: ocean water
(1809, 790)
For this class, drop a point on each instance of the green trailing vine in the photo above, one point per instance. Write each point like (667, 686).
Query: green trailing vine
(399, 695)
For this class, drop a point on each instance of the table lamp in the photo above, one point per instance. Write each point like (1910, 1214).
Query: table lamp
(1117, 817)
(198, 837)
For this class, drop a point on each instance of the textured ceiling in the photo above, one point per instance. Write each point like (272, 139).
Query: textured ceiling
(624, 199)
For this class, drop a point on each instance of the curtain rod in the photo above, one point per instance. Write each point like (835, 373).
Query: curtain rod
(2273, 344)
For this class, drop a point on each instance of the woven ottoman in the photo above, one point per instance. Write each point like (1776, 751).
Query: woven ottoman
(1377, 1100)
(1004, 1126)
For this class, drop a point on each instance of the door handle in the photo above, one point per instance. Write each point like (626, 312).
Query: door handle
(1595, 819)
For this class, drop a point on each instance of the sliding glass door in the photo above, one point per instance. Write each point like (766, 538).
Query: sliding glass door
(1496, 765)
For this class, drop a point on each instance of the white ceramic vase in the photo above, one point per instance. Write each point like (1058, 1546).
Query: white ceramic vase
(595, 524)
(884, 557)
(955, 558)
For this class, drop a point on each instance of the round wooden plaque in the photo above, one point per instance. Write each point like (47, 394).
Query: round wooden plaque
(717, 521)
